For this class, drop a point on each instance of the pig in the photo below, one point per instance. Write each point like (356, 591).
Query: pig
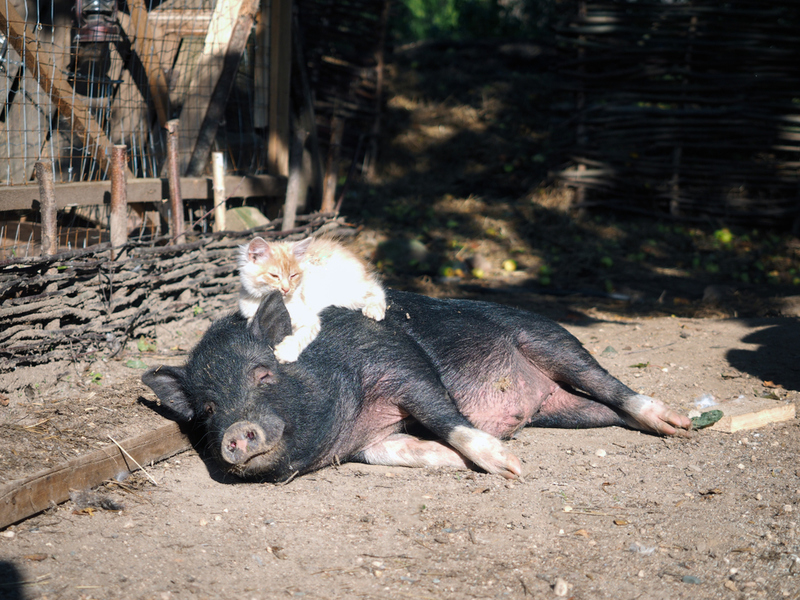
(465, 373)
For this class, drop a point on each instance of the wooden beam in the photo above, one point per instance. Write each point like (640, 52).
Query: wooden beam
(280, 68)
(143, 35)
(228, 31)
(24, 498)
(40, 66)
(87, 193)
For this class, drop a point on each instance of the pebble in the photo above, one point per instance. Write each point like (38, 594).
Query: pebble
(731, 586)
(9, 534)
(691, 579)
(787, 508)
(561, 588)
(600, 452)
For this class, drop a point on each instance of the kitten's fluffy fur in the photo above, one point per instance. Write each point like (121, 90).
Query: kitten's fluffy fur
(312, 274)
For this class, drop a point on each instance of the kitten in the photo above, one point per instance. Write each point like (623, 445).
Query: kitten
(312, 274)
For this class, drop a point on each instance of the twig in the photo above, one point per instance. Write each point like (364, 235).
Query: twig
(134, 461)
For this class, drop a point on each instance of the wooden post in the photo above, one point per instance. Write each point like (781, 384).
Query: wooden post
(118, 225)
(47, 200)
(371, 155)
(297, 184)
(174, 176)
(203, 109)
(280, 68)
(218, 175)
(332, 168)
(144, 38)
(261, 68)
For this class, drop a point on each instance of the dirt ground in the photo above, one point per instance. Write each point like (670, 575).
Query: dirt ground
(612, 513)
(606, 513)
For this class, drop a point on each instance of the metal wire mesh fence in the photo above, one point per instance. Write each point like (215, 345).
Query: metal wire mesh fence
(77, 76)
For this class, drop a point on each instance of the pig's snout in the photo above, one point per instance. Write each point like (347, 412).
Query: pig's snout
(244, 440)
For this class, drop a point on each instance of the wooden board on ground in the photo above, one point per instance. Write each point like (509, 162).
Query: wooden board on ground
(23, 498)
(752, 413)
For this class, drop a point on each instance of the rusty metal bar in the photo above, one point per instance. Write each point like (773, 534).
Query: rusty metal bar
(174, 176)
(119, 201)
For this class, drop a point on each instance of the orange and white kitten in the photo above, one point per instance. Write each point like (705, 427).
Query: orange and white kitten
(312, 274)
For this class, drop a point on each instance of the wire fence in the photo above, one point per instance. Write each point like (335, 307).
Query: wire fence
(81, 75)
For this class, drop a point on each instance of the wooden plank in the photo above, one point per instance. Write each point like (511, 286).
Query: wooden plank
(740, 415)
(24, 498)
(151, 189)
(280, 61)
(40, 66)
(144, 37)
(225, 42)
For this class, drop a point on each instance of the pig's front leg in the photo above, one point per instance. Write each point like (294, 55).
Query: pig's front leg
(484, 450)
(403, 450)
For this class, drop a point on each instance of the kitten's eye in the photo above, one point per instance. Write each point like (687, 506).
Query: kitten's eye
(274, 275)
(293, 275)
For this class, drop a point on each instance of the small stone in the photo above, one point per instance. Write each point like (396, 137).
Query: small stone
(600, 452)
(787, 508)
(561, 588)
(203, 522)
(740, 466)
(758, 497)
(9, 534)
(691, 579)
(731, 586)
(640, 573)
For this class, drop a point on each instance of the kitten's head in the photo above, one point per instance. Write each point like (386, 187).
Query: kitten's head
(266, 266)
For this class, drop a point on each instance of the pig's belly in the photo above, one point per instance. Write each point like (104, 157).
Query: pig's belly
(502, 400)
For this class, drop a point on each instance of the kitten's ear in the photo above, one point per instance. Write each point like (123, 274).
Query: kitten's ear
(258, 250)
(271, 321)
(300, 248)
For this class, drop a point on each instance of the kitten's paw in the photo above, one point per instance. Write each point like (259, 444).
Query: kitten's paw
(288, 351)
(376, 312)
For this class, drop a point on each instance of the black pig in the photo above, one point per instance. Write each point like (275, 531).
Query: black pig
(468, 372)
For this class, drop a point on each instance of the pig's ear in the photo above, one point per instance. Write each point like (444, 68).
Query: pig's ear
(272, 321)
(166, 383)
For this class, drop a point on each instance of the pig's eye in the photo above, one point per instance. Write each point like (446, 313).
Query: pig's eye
(209, 408)
(262, 375)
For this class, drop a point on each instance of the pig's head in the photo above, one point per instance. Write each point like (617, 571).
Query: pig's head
(227, 385)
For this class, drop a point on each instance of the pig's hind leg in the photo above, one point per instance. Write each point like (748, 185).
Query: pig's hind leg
(562, 358)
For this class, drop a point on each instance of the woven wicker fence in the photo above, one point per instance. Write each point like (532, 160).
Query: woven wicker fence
(76, 303)
(687, 108)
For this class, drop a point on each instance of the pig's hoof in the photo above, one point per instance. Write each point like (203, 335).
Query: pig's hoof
(486, 451)
(653, 415)
(376, 312)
